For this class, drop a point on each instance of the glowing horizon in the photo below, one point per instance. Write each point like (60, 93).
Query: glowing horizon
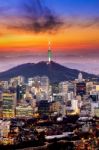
(67, 32)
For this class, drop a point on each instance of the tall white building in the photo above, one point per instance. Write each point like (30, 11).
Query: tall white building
(72, 107)
(80, 77)
(70, 95)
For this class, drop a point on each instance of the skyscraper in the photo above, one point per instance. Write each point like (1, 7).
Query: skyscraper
(80, 77)
(8, 105)
(20, 91)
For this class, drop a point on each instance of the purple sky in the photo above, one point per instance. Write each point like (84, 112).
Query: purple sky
(87, 63)
(74, 13)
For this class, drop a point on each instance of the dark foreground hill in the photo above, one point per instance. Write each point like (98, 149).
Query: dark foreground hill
(54, 71)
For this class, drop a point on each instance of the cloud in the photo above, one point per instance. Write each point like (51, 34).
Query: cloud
(34, 16)
(82, 23)
(90, 22)
(40, 17)
(48, 23)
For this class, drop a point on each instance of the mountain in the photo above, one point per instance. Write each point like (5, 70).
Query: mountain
(54, 71)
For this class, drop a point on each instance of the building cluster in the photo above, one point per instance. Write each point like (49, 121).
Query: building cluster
(38, 96)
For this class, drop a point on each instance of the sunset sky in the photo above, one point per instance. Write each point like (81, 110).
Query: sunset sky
(26, 26)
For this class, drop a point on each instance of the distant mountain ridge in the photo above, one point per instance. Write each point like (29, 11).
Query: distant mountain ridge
(54, 71)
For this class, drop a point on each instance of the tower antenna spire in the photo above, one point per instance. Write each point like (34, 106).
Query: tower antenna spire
(49, 45)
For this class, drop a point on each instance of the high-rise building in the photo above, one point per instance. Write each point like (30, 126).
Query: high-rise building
(44, 83)
(81, 88)
(72, 107)
(4, 85)
(94, 105)
(40, 87)
(96, 112)
(16, 81)
(30, 81)
(55, 88)
(44, 86)
(80, 77)
(70, 95)
(94, 96)
(0, 103)
(4, 128)
(71, 87)
(8, 105)
(63, 87)
(55, 106)
(89, 87)
(20, 90)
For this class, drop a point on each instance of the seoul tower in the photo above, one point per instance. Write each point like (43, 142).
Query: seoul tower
(49, 52)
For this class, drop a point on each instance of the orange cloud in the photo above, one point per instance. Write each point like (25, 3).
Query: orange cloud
(65, 39)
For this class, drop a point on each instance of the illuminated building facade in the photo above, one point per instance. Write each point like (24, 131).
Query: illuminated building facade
(8, 105)
(63, 87)
(20, 90)
(16, 81)
(55, 88)
(81, 88)
(24, 111)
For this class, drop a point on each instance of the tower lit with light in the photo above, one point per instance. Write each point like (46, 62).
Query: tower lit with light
(49, 52)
